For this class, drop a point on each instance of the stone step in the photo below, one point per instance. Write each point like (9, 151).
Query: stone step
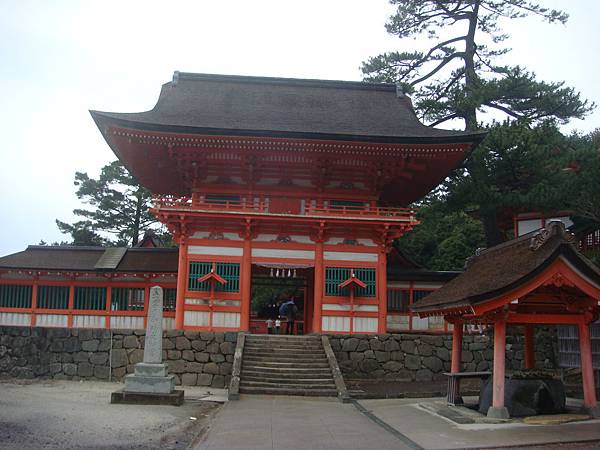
(267, 384)
(283, 339)
(306, 337)
(289, 391)
(288, 380)
(278, 348)
(286, 344)
(286, 365)
(285, 359)
(285, 373)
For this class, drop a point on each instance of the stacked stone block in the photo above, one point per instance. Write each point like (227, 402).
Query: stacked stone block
(194, 358)
(414, 357)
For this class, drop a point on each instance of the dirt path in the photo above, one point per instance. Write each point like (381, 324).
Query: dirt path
(78, 415)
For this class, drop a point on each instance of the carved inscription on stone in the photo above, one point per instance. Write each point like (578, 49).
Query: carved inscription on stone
(153, 342)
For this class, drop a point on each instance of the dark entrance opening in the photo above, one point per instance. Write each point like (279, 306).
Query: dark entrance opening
(273, 285)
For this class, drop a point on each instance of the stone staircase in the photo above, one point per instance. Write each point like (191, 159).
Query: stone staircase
(286, 365)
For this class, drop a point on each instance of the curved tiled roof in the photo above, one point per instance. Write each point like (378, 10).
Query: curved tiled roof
(84, 259)
(504, 267)
(244, 105)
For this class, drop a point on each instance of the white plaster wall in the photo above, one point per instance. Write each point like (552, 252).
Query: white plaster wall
(210, 250)
(89, 322)
(127, 322)
(365, 325)
(349, 256)
(335, 323)
(226, 319)
(196, 318)
(168, 323)
(15, 319)
(51, 320)
(282, 254)
(398, 323)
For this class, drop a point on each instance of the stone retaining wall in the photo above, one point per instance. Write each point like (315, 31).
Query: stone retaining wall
(202, 358)
(425, 357)
(194, 358)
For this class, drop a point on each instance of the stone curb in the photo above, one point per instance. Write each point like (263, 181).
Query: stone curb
(335, 371)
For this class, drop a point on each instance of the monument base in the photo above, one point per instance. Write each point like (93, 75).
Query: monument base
(150, 378)
(174, 398)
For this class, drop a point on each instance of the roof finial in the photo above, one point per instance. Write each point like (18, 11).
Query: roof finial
(175, 78)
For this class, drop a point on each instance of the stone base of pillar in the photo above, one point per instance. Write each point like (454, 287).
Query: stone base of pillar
(150, 378)
(175, 398)
(498, 413)
(594, 411)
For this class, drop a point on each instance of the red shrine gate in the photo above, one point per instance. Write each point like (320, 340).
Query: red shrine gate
(301, 174)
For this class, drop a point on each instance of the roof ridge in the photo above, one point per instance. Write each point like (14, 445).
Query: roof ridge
(313, 82)
(66, 247)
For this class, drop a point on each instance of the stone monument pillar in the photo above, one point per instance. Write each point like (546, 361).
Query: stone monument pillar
(151, 383)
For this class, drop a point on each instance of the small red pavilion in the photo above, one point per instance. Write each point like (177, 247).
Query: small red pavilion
(539, 278)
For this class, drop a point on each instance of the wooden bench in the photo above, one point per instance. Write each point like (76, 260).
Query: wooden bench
(454, 397)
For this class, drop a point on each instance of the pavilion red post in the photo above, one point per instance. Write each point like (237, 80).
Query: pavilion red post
(457, 337)
(587, 371)
(498, 410)
(529, 346)
(454, 397)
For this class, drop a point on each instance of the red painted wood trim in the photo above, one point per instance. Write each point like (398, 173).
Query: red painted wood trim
(246, 285)
(587, 371)
(457, 338)
(382, 290)
(182, 269)
(499, 355)
(319, 287)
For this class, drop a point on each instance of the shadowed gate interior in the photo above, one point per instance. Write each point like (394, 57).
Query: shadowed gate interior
(273, 284)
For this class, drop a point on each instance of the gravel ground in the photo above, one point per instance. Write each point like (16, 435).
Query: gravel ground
(78, 415)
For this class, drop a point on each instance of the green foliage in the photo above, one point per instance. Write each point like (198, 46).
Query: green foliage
(119, 207)
(459, 76)
(444, 240)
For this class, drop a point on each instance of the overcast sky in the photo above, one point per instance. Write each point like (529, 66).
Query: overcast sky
(58, 59)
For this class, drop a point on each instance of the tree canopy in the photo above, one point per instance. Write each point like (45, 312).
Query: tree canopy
(119, 207)
(459, 75)
(522, 164)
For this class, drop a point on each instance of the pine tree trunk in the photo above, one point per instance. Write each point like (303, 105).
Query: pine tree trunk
(136, 222)
(470, 113)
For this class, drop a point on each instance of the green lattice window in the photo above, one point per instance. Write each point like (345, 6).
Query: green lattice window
(127, 299)
(398, 300)
(93, 298)
(336, 275)
(229, 271)
(170, 299)
(53, 297)
(15, 296)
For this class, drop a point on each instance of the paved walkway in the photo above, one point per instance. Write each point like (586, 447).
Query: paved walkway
(434, 432)
(294, 423)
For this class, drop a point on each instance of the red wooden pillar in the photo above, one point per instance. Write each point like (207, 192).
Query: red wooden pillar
(71, 304)
(382, 289)
(498, 410)
(246, 284)
(108, 306)
(529, 346)
(34, 293)
(454, 397)
(587, 371)
(457, 337)
(181, 283)
(319, 282)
